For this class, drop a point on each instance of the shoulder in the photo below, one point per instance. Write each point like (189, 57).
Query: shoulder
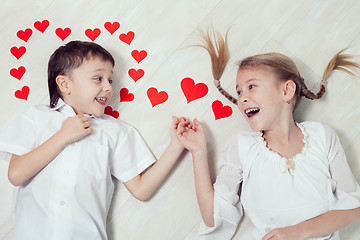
(244, 140)
(115, 126)
(318, 128)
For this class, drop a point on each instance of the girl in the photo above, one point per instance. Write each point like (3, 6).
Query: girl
(296, 183)
(64, 163)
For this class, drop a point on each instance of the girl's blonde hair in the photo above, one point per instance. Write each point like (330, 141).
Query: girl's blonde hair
(282, 66)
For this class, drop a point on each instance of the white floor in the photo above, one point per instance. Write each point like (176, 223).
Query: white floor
(309, 31)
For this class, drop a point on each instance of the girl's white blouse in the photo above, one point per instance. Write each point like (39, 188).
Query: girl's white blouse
(270, 195)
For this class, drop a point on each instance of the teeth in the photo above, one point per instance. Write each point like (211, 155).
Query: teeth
(249, 110)
(101, 99)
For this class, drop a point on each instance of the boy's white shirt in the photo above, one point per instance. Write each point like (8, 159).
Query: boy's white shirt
(71, 196)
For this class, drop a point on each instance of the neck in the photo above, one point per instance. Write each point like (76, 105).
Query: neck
(282, 132)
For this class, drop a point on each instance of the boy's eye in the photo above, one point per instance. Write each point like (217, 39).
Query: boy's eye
(251, 86)
(98, 79)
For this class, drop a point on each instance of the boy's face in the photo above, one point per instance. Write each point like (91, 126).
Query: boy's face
(90, 87)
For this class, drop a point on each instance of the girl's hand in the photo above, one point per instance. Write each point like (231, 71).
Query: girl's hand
(286, 233)
(75, 128)
(193, 137)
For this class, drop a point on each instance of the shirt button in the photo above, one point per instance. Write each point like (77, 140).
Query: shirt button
(62, 203)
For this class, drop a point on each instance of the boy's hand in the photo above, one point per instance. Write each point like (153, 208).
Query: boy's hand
(173, 133)
(193, 137)
(75, 128)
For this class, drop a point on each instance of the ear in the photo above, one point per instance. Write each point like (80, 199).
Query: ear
(63, 83)
(289, 89)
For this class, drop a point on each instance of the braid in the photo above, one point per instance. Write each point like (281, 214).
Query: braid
(339, 62)
(218, 49)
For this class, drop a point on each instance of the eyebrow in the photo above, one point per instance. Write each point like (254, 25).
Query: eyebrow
(249, 80)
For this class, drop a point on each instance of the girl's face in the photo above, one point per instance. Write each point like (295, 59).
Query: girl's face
(260, 97)
(90, 87)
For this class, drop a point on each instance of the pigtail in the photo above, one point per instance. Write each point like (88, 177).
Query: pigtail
(341, 62)
(218, 49)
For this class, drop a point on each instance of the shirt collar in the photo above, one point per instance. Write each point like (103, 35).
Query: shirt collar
(63, 107)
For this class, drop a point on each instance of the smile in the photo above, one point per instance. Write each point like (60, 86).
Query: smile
(101, 100)
(250, 112)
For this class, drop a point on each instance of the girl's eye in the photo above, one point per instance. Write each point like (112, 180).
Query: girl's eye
(110, 81)
(239, 93)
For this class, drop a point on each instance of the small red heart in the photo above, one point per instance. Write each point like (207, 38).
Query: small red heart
(92, 34)
(156, 97)
(136, 74)
(63, 33)
(23, 93)
(221, 111)
(127, 38)
(192, 91)
(24, 35)
(41, 26)
(112, 27)
(18, 52)
(18, 73)
(109, 111)
(125, 96)
(139, 56)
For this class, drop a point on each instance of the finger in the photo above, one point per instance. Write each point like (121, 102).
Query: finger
(198, 124)
(87, 124)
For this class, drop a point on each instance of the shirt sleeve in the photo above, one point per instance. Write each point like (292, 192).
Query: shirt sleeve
(227, 213)
(18, 137)
(130, 154)
(345, 191)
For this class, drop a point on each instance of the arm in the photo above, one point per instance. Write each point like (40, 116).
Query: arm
(22, 168)
(144, 185)
(194, 139)
(322, 225)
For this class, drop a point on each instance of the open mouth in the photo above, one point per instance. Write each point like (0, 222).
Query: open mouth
(250, 112)
(101, 100)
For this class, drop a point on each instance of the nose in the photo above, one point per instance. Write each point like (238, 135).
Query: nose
(242, 98)
(107, 86)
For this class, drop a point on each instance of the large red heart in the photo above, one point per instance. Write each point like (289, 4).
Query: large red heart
(125, 96)
(18, 52)
(136, 74)
(139, 56)
(63, 33)
(41, 26)
(221, 111)
(127, 38)
(23, 93)
(18, 73)
(24, 35)
(92, 34)
(109, 111)
(192, 91)
(112, 27)
(156, 97)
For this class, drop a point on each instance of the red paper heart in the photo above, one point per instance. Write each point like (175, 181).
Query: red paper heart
(18, 73)
(192, 91)
(24, 35)
(139, 56)
(109, 111)
(23, 93)
(18, 52)
(221, 111)
(127, 38)
(63, 33)
(112, 27)
(92, 34)
(41, 26)
(156, 97)
(136, 74)
(125, 96)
